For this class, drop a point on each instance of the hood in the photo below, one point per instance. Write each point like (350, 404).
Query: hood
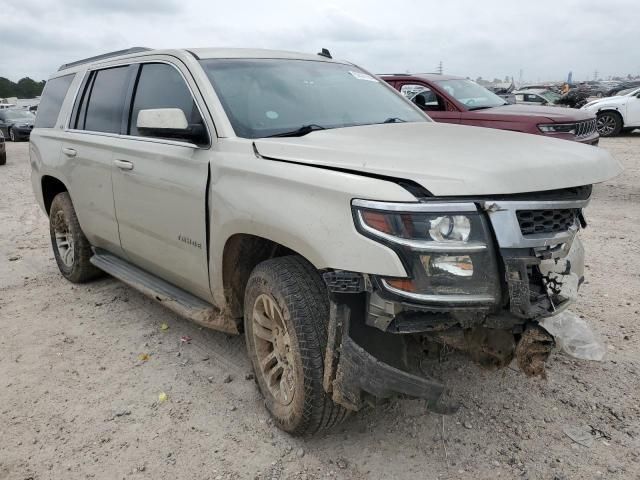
(450, 160)
(550, 114)
(22, 121)
(606, 102)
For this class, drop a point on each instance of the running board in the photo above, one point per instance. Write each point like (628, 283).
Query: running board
(174, 298)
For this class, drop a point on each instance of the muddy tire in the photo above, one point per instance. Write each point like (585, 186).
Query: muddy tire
(71, 248)
(609, 123)
(286, 313)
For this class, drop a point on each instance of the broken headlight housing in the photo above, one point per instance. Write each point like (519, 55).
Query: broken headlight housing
(446, 249)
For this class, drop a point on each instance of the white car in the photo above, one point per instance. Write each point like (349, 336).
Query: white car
(536, 96)
(620, 113)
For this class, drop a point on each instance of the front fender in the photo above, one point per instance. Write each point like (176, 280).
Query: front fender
(304, 208)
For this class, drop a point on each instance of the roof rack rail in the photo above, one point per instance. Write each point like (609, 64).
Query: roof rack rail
(104, 56)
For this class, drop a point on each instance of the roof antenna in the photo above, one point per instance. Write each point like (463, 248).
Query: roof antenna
(325, 53)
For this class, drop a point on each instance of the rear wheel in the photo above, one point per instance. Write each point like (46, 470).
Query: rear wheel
(609, 124)
(286, 316)
(71, 248)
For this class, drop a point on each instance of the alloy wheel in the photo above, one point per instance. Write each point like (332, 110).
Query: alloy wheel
(606, 124)
(64, 239)
(273, 348)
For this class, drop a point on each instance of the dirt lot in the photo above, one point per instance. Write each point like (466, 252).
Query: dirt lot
(80, 399)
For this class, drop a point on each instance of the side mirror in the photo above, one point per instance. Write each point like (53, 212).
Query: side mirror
(169, 123)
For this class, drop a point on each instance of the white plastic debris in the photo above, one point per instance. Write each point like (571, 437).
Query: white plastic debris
(574, 336)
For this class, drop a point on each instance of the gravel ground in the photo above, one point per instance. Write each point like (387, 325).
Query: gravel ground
(82, 369)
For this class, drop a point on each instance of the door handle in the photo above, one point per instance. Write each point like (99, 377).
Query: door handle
(69, 152)
(123, 164)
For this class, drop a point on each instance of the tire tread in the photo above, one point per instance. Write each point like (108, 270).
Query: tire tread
(305, 294)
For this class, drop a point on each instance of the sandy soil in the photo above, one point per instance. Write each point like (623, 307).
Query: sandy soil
(79, 400)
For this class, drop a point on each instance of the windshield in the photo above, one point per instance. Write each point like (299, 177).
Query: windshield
(549, 96)
(266, 97)
(19, 115)
(471, 94)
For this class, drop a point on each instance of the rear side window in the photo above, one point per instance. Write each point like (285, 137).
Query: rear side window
(52, 97)
(103, 101)
(161, 86)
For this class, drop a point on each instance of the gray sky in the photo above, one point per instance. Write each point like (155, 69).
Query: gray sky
(473, 38)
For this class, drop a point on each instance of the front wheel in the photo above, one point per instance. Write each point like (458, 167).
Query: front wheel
(71, 248)
(286, 313)
(609, 124)
(12, 135)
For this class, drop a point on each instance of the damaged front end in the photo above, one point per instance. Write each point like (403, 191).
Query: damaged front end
(481, 273)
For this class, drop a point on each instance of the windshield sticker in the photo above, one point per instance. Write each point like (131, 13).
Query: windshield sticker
(362, 76)
(272, 115)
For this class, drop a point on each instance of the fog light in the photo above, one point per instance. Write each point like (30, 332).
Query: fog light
(460, 266)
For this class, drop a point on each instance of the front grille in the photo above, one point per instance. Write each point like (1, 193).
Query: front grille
(586, 128)
(546, 221)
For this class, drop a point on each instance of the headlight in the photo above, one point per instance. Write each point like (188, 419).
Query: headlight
(446, 249)
(558, 128)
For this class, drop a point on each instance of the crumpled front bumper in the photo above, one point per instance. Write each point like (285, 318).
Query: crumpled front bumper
(368, 357)
(364, 365)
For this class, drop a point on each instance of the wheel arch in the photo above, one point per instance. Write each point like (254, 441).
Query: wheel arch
(51, 186)
(611, 110)
(242, 252)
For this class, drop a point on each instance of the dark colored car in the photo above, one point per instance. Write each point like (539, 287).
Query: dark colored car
(624, 86)
(452, 99)
(3, 150)
(595, 89)
(16, 124)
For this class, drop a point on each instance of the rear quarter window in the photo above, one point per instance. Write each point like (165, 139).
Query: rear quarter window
(53, 96)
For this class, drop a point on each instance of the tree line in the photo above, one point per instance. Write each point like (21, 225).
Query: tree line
(24, 88)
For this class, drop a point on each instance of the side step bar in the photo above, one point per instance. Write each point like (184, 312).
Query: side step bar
(180, 301)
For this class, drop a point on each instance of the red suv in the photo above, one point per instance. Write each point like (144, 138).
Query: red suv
(452, 99)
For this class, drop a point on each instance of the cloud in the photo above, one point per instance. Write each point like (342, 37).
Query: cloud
(126, 7)
(488, 39)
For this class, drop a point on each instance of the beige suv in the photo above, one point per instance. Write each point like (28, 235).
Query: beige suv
(302, 201)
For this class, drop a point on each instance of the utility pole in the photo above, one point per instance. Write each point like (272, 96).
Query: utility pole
(595, 75)
(440, 68)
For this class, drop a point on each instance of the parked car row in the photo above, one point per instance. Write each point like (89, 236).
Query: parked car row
(591, 88)
(451, 99)
(16, 124)
(614, 115)
(306, 203)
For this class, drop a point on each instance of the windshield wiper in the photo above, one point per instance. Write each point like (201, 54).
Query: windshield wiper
(394, 120)
(485, 106)
(299, 132)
